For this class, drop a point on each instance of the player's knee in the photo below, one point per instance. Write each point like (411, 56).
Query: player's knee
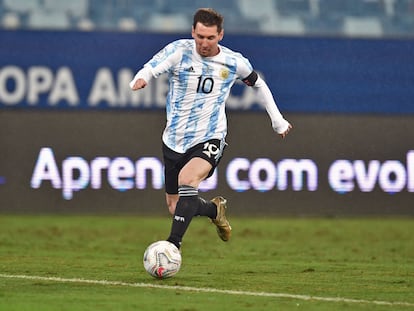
(185, 180)
(188, 179)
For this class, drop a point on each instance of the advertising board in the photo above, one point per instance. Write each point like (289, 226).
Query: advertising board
(91, 71)
(111, 162)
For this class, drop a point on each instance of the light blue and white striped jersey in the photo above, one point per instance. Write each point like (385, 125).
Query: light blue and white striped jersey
(198, 89)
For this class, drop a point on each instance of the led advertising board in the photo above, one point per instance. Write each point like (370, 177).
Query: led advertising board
(111, 162)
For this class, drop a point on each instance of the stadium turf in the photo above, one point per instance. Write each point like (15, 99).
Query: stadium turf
(95, 263)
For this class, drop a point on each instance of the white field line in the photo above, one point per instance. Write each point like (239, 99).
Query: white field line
(208, 290)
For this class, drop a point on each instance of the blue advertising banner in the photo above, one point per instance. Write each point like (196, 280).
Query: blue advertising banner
(91, 70)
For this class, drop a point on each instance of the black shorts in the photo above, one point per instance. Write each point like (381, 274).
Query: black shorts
(211, 151)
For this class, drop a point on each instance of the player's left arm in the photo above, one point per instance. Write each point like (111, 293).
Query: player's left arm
(279, 124)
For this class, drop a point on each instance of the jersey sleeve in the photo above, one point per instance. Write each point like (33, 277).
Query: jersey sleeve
(160, 63)
(251, 78)
(265, 96)
(244, 68)
(165, 59)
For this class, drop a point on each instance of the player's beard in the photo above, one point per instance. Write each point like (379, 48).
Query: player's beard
(206, 51)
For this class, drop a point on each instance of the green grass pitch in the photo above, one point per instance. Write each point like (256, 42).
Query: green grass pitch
(95, 263)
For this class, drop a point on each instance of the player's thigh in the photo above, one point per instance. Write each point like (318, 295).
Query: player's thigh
(194, 172)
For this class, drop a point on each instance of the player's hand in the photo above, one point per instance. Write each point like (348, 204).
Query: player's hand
(283, 135)
(139, 84)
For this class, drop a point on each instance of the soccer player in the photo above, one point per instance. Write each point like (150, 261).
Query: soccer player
(201, 73)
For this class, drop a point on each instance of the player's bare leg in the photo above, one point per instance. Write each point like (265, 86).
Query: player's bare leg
(171, 200)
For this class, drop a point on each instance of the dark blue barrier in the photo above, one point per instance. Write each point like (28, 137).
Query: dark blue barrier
(90, 70)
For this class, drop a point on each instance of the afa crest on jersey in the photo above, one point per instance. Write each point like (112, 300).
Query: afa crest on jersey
(224, 73)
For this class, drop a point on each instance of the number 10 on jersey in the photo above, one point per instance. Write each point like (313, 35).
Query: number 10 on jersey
(205, 85)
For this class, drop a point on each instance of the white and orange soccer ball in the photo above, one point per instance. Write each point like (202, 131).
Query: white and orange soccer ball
(162, 259)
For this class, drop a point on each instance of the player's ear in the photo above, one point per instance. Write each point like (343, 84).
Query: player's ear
(221, 35)
(193, 32)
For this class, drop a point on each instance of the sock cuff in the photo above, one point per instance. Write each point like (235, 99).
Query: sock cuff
(187, 191)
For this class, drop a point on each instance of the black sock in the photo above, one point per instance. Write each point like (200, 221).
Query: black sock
(185, 210)
(206, 208)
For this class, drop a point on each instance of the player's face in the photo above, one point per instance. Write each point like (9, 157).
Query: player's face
(207, 39)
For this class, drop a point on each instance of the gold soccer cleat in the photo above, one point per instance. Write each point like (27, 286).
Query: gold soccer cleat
(223, 226)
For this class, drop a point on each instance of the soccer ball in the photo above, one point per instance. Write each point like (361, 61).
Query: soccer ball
(162, 259)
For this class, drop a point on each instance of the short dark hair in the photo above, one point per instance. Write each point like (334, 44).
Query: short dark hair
(208, 17)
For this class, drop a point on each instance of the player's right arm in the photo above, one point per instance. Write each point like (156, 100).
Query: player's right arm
(138, 84)
(161, 62)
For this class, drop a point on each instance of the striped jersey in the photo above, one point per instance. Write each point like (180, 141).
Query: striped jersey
(198, 89)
